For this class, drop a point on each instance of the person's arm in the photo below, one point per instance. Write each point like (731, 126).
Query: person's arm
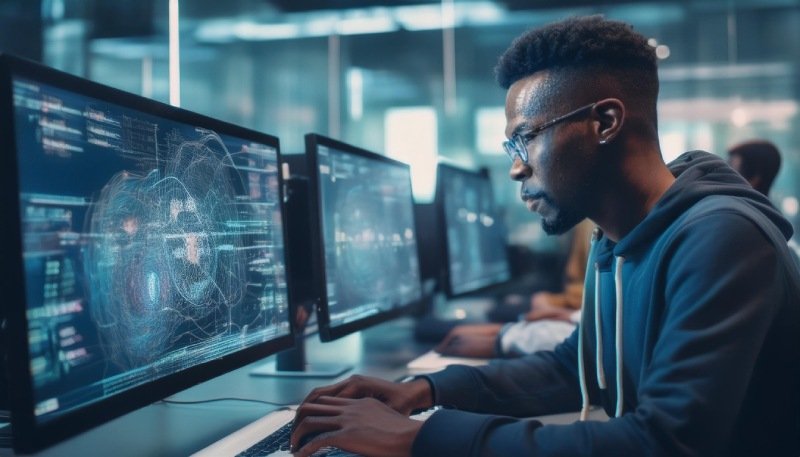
(719, 307)
(542, 383)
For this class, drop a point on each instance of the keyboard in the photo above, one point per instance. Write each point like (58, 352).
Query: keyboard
(250, 440)
(267, 436)
(276, 441)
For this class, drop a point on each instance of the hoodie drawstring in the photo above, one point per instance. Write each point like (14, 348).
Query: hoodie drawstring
(582, 365)
(618, 335)
(581, 362)
(598, 330)
(618, 342)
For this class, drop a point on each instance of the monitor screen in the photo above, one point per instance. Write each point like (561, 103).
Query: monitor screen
(144, 250)
(366, 243)
(474, 235)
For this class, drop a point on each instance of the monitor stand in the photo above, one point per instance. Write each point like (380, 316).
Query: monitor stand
(291, 363)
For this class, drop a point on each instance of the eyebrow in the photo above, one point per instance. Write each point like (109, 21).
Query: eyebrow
(521, 127)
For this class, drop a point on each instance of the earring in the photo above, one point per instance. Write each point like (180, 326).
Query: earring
(603, 141)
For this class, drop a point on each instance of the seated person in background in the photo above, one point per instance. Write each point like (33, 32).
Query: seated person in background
(758, 161)
(551, 318)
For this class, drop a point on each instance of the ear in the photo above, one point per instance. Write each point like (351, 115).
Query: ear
(610, 116)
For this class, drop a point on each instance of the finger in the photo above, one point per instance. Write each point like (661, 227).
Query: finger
(332, 389)
(335, 401)
(313, 410)
(441, 347)
(455, 348)
(358, 386)
(309, 428)
(318, 442)
(446, 340)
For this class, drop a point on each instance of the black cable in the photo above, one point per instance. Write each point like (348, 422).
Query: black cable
(211, 400)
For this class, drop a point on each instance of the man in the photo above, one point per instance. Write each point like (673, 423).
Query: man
(758, 161)
(690, 334)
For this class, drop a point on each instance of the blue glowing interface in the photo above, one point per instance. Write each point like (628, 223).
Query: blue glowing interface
(370, 247)
(150, 246)
(476, 241)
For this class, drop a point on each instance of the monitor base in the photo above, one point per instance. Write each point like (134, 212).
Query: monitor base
(315, 370)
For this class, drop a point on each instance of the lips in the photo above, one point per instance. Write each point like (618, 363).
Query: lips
(532, 200)
(532, 203)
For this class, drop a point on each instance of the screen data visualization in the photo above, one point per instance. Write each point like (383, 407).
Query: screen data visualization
(367, 243)
(149, 253)
(474, 235)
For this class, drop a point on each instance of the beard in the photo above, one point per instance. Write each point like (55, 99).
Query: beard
(562, 217)
(562, 222)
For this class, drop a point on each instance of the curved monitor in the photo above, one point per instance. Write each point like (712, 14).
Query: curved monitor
(143, 250)
(473, 236)
(365, 243)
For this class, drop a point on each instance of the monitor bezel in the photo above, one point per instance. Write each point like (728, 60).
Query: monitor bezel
(328, 332)
(446, 274)
(28, 434)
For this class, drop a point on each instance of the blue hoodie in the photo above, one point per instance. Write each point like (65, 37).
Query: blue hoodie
(706, 361)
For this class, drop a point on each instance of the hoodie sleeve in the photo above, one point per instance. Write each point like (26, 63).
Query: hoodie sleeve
(718, 303)
(542, 383)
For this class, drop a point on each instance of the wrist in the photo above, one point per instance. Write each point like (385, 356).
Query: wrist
(420, 394)
(408, 436)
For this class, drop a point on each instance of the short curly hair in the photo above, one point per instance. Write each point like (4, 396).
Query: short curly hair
(591, 43)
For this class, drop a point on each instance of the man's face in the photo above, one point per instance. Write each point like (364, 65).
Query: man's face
(558, 177)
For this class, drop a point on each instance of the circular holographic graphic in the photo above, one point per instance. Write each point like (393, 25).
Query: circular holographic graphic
(162, 263)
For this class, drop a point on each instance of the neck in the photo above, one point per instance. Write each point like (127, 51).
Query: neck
(641, 181)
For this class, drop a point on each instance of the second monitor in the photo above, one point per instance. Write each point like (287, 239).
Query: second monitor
(365, 243)
(473, 236)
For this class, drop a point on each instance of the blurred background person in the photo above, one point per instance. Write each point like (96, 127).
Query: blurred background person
(552, 316)
(758, 161)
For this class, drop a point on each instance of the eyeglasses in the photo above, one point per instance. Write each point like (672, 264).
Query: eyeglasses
(517, 146)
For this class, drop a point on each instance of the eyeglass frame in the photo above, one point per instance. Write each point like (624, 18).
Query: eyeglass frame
(517, 145)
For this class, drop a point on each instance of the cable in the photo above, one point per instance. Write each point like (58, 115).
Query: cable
(212, 400)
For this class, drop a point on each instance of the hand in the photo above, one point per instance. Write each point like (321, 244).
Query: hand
(477, 347)
(475, 341)
(401, 397)
(364, 426)
(547, 305)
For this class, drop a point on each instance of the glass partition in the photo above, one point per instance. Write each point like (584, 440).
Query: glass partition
(728, 70)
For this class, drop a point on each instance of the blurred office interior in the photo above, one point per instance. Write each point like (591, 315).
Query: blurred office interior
(414, 79)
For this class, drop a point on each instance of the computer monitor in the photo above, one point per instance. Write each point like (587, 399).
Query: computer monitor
(142, 253)
(473, 236)
(364, 238)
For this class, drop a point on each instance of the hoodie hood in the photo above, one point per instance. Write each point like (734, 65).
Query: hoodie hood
(698, 174)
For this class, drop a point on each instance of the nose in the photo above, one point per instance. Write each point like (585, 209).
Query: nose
(520, 171)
